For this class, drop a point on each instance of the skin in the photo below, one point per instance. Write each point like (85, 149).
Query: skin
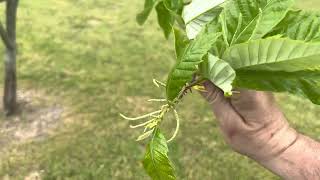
(253, 125)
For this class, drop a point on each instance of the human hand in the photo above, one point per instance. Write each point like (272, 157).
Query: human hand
(253, 125)
(251, 122)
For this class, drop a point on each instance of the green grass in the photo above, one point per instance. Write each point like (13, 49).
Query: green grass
(94, 58)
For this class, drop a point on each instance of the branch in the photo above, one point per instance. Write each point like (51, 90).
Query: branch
(5, 37)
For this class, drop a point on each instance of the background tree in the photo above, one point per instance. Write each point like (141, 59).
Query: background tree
(8, 36)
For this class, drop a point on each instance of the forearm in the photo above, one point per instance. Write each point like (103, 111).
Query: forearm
(301, 160)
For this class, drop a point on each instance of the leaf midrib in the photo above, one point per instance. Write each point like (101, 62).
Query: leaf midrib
(252, 22)
(152, 153)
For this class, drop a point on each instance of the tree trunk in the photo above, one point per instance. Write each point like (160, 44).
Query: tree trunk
(10, 81)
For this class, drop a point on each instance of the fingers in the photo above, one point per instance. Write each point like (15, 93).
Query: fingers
(254, 105)
(213, 94)
(228, 118)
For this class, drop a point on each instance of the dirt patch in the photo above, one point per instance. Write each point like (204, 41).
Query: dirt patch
(38, 116)
(31, 176)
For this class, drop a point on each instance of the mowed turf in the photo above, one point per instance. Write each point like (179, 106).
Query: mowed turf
(95, 59)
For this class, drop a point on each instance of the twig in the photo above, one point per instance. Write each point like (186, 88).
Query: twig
(188, 87)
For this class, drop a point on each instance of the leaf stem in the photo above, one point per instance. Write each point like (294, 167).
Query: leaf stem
(177, 127)
(139, 117)
(142, 124)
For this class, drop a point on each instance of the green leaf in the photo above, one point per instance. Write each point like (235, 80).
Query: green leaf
(156, 161)
(175, 6)
(219, 47)
(303, 83)
(198, 13)
(299, 25)
(181, 42)
(168, 11)
(165, 19)
(188, 64)
(277, 64)
(258, 17)
(148, 6)
(218, 72)
(274, 54)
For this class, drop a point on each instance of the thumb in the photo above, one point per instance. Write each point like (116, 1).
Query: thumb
(212, 93)
(254, 104)
(227, 117)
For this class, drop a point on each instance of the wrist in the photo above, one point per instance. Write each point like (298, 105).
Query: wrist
(281, 141)
(274, 141)
(300, 160)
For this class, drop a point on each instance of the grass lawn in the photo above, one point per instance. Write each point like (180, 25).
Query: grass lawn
(93, 58)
